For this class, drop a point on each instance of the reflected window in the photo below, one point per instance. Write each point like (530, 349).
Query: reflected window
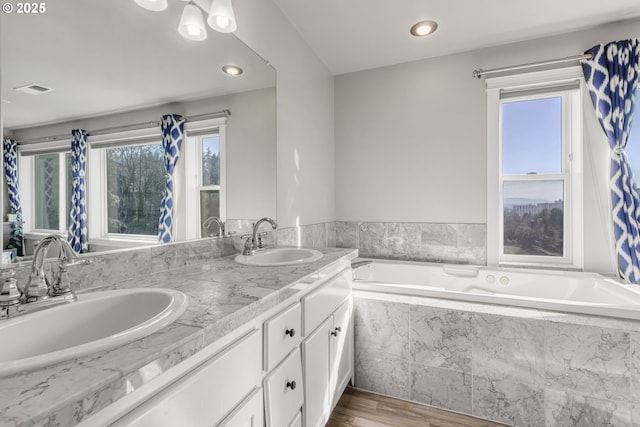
(210, 186)
(51, 191)
(135, 185)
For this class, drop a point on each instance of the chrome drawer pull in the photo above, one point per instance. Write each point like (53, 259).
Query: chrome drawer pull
(291, 332)
(291, 385)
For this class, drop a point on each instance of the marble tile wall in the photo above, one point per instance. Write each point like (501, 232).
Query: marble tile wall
(448, 243)
(518, 371)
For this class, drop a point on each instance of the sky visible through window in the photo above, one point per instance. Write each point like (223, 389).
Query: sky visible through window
(532, 144)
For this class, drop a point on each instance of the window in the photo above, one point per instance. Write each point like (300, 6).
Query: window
(135, 179)
(48, 199)
(204, 186)
(534, 182)
(209, 188)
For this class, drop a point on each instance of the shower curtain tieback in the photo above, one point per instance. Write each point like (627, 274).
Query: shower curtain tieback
(172, 126)
(613, 77)
(10, 151)
(78, 212)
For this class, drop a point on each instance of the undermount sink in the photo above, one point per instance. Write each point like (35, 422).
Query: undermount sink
(95, 322)
(280, 256)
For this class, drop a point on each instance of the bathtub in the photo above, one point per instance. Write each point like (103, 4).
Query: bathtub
(561, 291)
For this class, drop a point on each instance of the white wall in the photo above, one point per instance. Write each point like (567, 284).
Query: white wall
(306, 179)
(411, 139)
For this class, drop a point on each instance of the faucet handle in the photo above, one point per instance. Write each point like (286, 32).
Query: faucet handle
(10, 293)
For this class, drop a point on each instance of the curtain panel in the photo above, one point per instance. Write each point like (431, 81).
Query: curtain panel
(612, 77)
(78, 233)
(172, 126)
(10, 152)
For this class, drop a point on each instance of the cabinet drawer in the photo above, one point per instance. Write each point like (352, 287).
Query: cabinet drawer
(206, 394)
(282, 334)
(320, 303)
(283, 391)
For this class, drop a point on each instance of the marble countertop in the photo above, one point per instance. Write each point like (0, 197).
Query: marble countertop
(224, 295)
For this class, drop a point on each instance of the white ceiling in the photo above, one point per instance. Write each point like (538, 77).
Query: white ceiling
(353, 35)
(104, 57)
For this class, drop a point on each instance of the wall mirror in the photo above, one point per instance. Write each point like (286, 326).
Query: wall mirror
(114, 64)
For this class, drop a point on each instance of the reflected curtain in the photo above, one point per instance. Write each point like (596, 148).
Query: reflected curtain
(172, 126)
(10, 152)
(612, 77)
(78, 212)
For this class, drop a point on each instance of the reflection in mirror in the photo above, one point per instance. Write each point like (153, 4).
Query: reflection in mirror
(115, 69)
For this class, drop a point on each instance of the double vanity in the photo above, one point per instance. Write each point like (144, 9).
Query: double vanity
(264, 339)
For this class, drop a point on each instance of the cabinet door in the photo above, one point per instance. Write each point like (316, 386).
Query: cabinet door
(317, 388)
(207, 394)
(341, 350)
(249, 414)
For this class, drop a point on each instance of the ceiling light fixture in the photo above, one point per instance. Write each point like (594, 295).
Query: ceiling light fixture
(221, 17)
(154, 5)
(192, 24)
(423, 28)
(232, 70)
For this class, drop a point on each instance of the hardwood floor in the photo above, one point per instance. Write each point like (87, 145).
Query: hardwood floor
(358, 408)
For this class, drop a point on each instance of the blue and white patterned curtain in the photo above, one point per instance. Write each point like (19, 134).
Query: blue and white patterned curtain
(613, 78)
(172, 136)
(10, 152)
(78, 212)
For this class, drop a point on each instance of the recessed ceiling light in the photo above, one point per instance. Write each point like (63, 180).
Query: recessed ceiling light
(423, 28)
(232, 70)
(33, 89)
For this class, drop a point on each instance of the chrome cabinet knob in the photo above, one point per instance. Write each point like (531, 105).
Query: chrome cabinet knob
(291, 332)
(291, 385)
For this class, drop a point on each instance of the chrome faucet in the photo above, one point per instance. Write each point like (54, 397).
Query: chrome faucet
(254, 241)
(218, 221)
(41, 291)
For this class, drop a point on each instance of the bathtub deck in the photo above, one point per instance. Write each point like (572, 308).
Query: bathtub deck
(358, 408)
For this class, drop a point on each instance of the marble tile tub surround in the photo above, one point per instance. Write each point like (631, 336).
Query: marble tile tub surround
(432, 242)
(516, 366)
(224, 296)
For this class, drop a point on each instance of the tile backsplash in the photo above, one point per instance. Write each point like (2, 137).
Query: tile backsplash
(450, 243)
(432, 242)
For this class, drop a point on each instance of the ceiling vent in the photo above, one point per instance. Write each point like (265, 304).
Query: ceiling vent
(33, 89)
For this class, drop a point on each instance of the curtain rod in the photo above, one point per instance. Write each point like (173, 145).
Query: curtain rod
(480, 72)
(142, 125)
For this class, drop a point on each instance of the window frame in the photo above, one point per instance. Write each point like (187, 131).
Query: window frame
(26, 171)
(97, 206)
(192, 153)
(550, 83)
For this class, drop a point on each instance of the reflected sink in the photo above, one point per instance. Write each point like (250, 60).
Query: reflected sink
(97, 321)
(280, 256)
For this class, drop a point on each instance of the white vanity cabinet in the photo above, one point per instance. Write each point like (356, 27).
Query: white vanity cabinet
(328, 350)
(285, 368)
(208, 392)
(249, 414)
